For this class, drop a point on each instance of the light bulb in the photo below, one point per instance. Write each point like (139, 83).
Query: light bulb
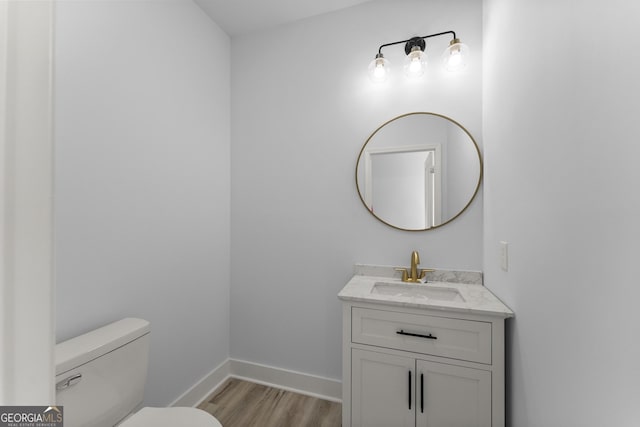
(455, 56)
(416, 62)
(379, 69)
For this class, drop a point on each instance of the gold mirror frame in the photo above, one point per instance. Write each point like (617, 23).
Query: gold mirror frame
(475, 192)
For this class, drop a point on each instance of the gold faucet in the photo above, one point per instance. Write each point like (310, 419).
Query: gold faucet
(414, 277)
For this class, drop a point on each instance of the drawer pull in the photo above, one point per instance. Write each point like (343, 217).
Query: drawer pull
(401, 332)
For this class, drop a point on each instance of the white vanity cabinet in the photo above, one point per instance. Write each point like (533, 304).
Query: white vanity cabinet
(391, 390)
(422, 364)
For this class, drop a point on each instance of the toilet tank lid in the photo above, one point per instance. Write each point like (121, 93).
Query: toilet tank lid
(84, 348)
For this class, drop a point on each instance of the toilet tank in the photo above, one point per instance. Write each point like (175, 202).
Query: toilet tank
(100, 375)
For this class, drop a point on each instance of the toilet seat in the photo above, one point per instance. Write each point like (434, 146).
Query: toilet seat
(171, 417)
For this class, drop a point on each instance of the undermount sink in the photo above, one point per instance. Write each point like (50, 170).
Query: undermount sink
(417, 291)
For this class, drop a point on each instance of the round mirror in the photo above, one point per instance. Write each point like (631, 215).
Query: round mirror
(418, 171)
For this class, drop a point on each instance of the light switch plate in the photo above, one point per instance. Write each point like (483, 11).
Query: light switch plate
(504, 255)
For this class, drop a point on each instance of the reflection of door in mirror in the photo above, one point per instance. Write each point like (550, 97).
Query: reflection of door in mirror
(407, 177)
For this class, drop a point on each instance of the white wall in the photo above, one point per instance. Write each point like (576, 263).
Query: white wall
(26, 208)
(302, 106)
(142, 180)
(561, 103)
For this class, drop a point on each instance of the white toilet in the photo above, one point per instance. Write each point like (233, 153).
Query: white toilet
(100, 379)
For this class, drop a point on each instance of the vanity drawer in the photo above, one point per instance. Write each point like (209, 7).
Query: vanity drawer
(438, 336)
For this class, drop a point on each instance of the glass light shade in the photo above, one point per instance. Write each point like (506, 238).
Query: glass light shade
(455, 56)
(379, 69)
(416, 63)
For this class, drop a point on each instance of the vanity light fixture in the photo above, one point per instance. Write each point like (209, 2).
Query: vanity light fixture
(454, 57)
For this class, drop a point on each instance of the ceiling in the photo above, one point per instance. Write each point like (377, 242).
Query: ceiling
(242, 16)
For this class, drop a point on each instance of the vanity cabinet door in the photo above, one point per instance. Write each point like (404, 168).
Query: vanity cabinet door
(382, 390)
(452, 396)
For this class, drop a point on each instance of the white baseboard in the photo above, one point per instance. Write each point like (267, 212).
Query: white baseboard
(203, 388)
(298, 382)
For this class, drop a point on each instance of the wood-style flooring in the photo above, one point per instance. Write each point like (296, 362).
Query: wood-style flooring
(243, 404)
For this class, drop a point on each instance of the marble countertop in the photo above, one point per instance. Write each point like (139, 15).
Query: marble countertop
(477, 298)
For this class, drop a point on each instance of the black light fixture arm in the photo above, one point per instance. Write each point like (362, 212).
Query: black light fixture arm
(416, 41)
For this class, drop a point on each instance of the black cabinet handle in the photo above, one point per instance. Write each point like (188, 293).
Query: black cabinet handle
(410, 334)
(422, 393)
(409, 390)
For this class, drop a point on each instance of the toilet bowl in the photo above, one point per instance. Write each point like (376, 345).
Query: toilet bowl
(170, 417)
(100, 379)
